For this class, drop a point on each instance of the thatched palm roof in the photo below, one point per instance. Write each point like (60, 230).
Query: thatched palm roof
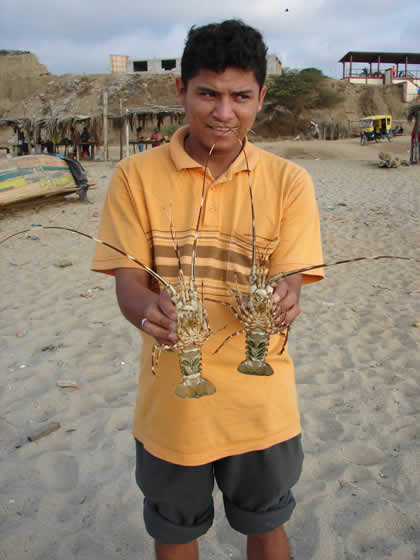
(156, 114)
(57, 128)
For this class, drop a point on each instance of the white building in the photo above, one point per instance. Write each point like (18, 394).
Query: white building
(122, 64)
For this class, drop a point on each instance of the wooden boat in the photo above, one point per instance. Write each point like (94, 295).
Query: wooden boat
(26, 177)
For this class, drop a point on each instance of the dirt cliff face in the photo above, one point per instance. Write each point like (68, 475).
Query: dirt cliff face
(20, 76)
(28, 89)
(15, 63)
(358, 102)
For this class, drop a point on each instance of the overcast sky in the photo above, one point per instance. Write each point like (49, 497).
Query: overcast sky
(77, 36)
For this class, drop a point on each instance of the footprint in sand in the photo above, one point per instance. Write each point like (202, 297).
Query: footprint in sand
(58, 471)
(406, 434)
(356, 473)
(363, 454)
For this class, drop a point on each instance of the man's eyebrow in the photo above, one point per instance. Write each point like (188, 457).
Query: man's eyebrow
(211, 90)
(243, 92)
(208, 89)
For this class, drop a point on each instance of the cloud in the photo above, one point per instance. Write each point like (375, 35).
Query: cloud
(79, 36)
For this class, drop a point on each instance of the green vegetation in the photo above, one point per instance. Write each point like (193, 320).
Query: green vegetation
(5, 52)
(171, 129)
(298, 89)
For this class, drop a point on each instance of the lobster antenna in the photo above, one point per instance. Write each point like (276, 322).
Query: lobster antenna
(173, 236)
(254, 240)
(194, 247)
(143, 266)
(326, 265)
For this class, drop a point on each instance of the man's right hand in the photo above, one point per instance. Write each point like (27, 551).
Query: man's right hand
(161, 319)
(138, 302)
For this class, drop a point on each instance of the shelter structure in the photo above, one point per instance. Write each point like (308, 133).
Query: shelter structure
(384, 68)
(50, 133)
(129, 119)
(54, 133)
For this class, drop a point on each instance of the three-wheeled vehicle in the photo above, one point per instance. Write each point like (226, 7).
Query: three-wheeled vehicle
(376, 127)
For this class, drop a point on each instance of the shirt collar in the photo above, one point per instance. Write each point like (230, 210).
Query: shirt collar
(184, 161)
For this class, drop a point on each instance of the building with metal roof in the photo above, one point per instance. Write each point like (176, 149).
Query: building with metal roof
(384, 68)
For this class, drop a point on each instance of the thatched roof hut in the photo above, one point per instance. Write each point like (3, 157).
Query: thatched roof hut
(155, 114)
(55, 128)
(58, 129)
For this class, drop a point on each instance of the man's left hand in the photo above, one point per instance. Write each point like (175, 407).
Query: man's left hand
(286, 295)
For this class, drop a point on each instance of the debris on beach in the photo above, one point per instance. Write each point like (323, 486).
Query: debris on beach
(63, 264)
(386, 160)
(45, 431)
(51, 347)
(67, 384)
(88, 294)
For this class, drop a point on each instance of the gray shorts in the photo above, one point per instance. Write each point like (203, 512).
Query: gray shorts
(256, 487)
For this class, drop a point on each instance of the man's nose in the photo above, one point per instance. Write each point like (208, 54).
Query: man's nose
(223, 109)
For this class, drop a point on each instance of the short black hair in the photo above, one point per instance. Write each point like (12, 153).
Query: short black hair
(218, 46)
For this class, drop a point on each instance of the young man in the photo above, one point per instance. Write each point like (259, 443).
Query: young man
(247, 434)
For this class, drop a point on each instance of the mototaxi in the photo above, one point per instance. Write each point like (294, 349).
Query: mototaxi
(376, 127)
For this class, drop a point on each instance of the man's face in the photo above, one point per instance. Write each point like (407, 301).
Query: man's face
(220, 108)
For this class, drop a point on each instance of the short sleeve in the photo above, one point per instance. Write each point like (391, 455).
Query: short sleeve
(123, 224)
(299, 234)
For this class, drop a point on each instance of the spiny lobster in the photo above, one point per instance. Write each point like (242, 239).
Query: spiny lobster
(192, 321)
(259, 312)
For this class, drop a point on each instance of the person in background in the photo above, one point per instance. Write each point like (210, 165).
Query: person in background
(415, 146)
(85, 141)
(140, 138)
(414, 114)
(23, 148)
(75, 138)
(157, 138)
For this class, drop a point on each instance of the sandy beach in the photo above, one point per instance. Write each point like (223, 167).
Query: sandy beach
(71, 495)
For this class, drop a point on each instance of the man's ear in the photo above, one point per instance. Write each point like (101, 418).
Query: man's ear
(261, 97)
(181, 90)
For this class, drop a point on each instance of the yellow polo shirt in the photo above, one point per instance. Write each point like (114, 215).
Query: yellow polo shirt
(247, 412)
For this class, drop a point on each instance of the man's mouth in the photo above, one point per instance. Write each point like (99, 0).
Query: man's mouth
(222, 130)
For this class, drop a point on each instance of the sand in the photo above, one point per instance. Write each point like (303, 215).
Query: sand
(72, 495)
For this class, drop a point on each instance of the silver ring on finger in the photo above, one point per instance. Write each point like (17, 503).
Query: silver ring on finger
(143, 322)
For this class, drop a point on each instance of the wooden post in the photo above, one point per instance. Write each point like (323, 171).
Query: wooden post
(35, 138)
(106, 148)
(121, 131)
(127, 134)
